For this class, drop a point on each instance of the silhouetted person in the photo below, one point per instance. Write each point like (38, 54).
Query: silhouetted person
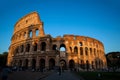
(59, 71)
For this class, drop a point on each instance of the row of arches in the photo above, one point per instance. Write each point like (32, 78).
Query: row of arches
(26, 34)
(97, 64)
(28, 47)
(81, 50)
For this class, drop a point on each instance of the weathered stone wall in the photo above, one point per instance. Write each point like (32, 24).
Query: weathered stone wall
(32, 48)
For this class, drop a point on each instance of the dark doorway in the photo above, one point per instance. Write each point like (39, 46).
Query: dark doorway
(33, 63)
(51, 63)
(42, 64)
(63, 64)
(26, 64)
(71, 64)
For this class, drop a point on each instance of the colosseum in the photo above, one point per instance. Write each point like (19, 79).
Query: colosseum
(31, 48)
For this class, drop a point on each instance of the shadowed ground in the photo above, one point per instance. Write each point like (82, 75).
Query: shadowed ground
(51, 75)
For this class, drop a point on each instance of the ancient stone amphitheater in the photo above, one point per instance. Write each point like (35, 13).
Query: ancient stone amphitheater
(31, 48)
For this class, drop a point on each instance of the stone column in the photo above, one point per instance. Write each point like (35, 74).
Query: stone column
(37, 63)
(46, 62)
(27, 34)
(41, 33)
(34, 33)
(29, 63)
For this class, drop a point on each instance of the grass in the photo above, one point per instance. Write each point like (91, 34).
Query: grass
(104, 75)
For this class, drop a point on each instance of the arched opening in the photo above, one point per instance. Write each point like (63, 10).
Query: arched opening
(87, 65)
(17, 50)
(80, 44)
(82, 64)
(35, 47)
(54, 47)
(22, 48)
(20, 63)
(63, 64)
(42, 64)
(96, 64)
(43, 46)
(92, 65)
(26, 63)
(86, 50)
(33, 63)
(81, 51)
(27, 47)
(75, 50)
(25, 35)
(62, 50)
(37, 32)
(71, 64)
(70, 49)
(90, 51)
(51, 63)
(30, 33)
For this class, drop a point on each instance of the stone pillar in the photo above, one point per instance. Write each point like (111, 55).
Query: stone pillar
(37, 63)
(38, 46)
(27, 34)
(29, 63)
(57, 60)
(46, 62)
(41, 33)
(34, 33)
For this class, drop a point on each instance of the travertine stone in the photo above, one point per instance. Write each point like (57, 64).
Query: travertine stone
(28, 50)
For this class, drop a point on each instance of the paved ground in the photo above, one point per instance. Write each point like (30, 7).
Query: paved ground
(27, 75)
(51, 75)
(67, 75)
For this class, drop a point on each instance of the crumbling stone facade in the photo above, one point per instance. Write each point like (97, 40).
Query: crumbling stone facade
(31, 48)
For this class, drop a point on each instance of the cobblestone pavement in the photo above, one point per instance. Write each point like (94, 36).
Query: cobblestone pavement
(67, 75)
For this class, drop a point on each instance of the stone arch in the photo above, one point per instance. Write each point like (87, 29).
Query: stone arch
(33, 63)
(42, 64)
(51, 63)
(35, 47)
(63, 64)
(86, 50)
(37, 32)
(30, 34)
(26, 63)
(20, 63)
(70, 49)
(71, 64)
(17, 50)
(92, 63)
(22, 48)
(81, 50)
(90, 51)
(28, 47)
(80, 43)
(82, 64)
(87, 65)
(25, 35)
(54, 47)
(62, 47)
(75, 50)
(62, 50)
(43, 46)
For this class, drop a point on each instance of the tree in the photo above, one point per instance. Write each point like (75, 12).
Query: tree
(113, 60)
(3, 58)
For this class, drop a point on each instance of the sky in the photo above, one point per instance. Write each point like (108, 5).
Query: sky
(99, 19)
